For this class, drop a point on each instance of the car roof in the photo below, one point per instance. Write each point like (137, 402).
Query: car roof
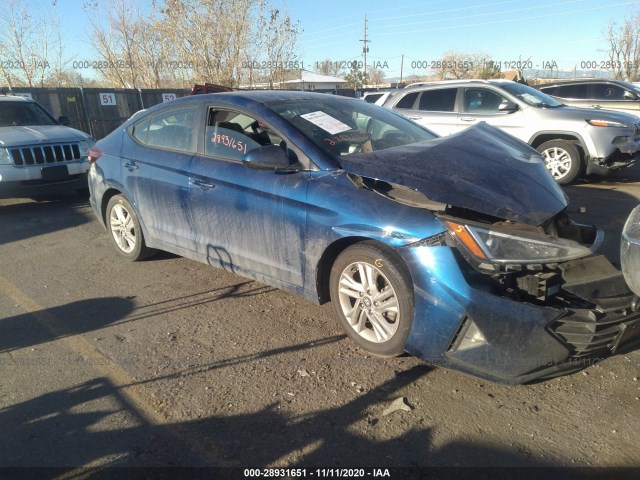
(246, 97)
(584, 80)
(14, 98)
(463, 81)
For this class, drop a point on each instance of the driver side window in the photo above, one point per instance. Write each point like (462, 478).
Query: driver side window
(479, 100)
(231, 135)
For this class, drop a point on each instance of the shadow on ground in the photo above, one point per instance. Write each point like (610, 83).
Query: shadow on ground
(59, 429)
(45, 215)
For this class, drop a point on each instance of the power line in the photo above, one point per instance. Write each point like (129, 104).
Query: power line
(492, 22)
(601, 7)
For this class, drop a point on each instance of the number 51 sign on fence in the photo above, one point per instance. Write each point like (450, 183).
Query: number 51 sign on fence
(107, 99)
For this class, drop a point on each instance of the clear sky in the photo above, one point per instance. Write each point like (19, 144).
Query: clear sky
(567, 32)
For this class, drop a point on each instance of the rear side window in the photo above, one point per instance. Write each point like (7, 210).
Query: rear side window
(580, 91)
(173, 129)
(607, 91)
(408, 100)
(372, 98)
(439, 100)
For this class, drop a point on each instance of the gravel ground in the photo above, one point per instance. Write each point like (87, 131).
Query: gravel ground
(169, 362)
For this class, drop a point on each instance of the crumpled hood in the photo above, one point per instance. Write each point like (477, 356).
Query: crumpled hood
(481, 169)
(35, 134)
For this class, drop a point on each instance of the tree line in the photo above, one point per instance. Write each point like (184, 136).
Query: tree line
(176, 43)
(170, 43)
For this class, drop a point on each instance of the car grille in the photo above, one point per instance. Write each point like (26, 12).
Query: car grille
(41, 155)
(591, 331)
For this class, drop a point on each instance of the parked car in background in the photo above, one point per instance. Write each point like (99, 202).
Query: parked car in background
(39, 155)
(458, 250)
(572, 141)
(630, 250)
(209, 88)
(607, 94)
(377, 97)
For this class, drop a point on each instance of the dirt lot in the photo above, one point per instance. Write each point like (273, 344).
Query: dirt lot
(169, 362)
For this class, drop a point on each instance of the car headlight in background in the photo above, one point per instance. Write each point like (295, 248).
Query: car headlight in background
(84, 146)
(5, 157)
(494, 245)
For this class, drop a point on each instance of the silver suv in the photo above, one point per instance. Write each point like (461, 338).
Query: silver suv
(571, 140)
(39, 155)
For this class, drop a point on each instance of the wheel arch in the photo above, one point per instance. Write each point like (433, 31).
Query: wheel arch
(331, 253)
(108, 195)
(323, 269)
(543, 137)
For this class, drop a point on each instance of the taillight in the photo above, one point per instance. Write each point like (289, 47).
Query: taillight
(94, 154)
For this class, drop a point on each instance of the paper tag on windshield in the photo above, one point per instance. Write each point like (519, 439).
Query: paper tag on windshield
(326, 122)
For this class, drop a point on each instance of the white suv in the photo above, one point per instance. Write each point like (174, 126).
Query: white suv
(571, 140)
(39, 155)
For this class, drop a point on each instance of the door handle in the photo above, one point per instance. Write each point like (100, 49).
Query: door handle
(415, 117)
(468, 119)
(131, 166)
(203, 185)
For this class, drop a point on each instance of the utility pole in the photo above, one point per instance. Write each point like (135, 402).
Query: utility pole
(365, 46)
(401, 65)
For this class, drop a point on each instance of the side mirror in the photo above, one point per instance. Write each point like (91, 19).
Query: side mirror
(629, 95)
(64, 120)
(269, 157)
(507, 106)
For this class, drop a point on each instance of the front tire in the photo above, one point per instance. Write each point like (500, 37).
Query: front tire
(124, 227)
(372, 293)
(562, 159)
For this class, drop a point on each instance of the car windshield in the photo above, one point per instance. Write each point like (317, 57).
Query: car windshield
(14, 114)
(531, 96)
(342, 127)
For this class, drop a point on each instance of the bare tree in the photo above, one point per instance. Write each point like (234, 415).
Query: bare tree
(458, 65)
(624, 48)
(28, 43)
(179, 42)
(454, 65)
(330, 67)
(376, 76)
(210, 36)
(487, 69)
(279, 34)
(116, 42)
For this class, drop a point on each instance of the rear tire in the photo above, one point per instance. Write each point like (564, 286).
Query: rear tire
(372, 293)
(125, 231)
(562, 159)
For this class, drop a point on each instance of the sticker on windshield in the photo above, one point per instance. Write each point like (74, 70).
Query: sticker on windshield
(326, 122)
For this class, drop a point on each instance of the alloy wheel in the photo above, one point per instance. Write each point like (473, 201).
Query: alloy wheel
(123, 228)
(369, 302)
(558, 161)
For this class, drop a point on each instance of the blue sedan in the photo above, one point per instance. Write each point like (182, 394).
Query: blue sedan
(457, 250)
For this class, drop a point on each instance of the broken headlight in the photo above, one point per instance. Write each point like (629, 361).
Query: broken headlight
(495, 245)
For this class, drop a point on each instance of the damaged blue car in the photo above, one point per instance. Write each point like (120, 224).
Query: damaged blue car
(457, 250)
